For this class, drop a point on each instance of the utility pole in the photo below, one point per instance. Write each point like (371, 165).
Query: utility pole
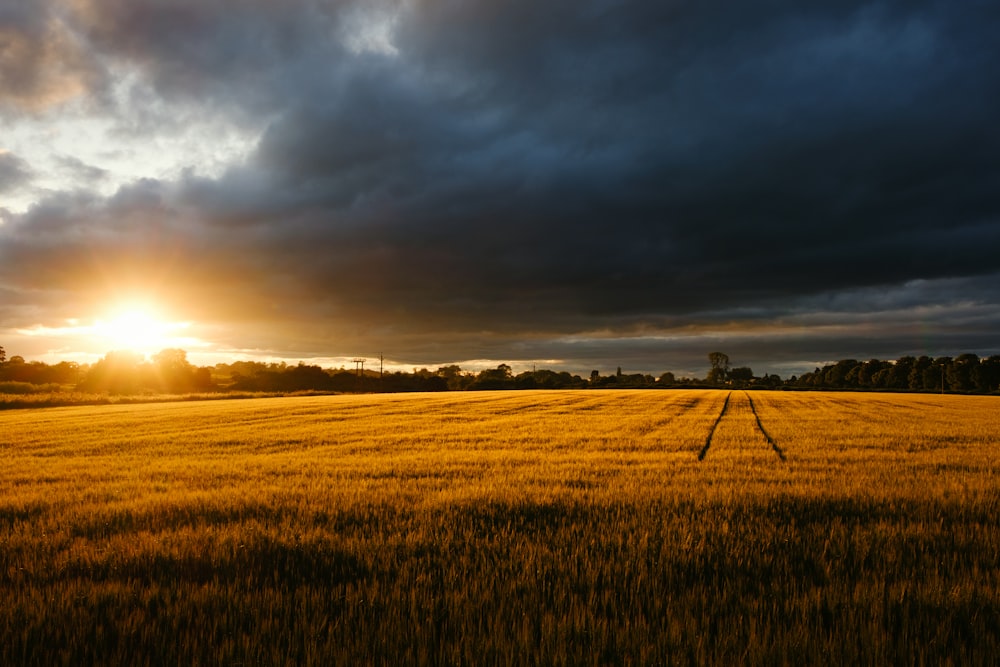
(359, 366)
(380, 366)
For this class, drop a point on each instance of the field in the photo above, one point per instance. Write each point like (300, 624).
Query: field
(536, 528)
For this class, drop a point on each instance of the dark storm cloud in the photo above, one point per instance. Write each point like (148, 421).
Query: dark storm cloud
(14, 172)
(520, 172)
(41, 62)
(656, 162)
(80, 171)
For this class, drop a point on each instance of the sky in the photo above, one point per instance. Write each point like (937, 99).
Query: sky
(574, 185)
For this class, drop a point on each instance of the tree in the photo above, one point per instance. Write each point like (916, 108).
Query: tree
(898, 376)
(449, 372)
(961, 371)
(494, 378)
(773, 380)
(918, 373)
(173, 372)
(987, 374)
(720, 367)
(117, 373)
(934, 376)
(17, 370)
(741, 375)
(869, 370)
(454, 377)
(839, 374)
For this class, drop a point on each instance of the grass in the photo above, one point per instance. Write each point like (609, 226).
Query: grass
(21, 395)
(575, 528)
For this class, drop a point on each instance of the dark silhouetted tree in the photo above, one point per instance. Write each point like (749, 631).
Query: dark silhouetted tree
(719, 370)
(961, 372)
(454, 377)
(987, 375)
(936, 375)
(18, 370)
(741, 375)
(897, 376)
(869, 370)
(918, 372)
(773, 381)
(838, 374)
(494, 378)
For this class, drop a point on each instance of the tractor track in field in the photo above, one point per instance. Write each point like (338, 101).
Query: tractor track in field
(711, 432)
(767, 436)
(760, 427)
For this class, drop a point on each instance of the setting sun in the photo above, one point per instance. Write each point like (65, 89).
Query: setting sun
(139, 329)
(139, 326)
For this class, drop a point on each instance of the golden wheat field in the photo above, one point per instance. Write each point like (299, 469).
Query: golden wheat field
(509, 528)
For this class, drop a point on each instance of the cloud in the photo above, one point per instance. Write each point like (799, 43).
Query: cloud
(14, 172)
(457, 180)
(81, 172)
(42, 64)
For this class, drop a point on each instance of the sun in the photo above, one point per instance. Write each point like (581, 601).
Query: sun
(139, 328)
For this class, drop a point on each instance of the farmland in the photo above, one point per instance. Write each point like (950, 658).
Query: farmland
(561, 527)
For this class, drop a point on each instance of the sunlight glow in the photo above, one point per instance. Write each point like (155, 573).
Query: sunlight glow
(135, 328)
(140, 330)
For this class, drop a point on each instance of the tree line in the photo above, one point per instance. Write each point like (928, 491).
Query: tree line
(966, 373)
(170, 372)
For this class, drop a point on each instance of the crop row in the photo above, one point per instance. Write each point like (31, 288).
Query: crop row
(503, 528)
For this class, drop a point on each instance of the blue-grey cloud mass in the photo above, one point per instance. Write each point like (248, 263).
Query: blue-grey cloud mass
(595, 183)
